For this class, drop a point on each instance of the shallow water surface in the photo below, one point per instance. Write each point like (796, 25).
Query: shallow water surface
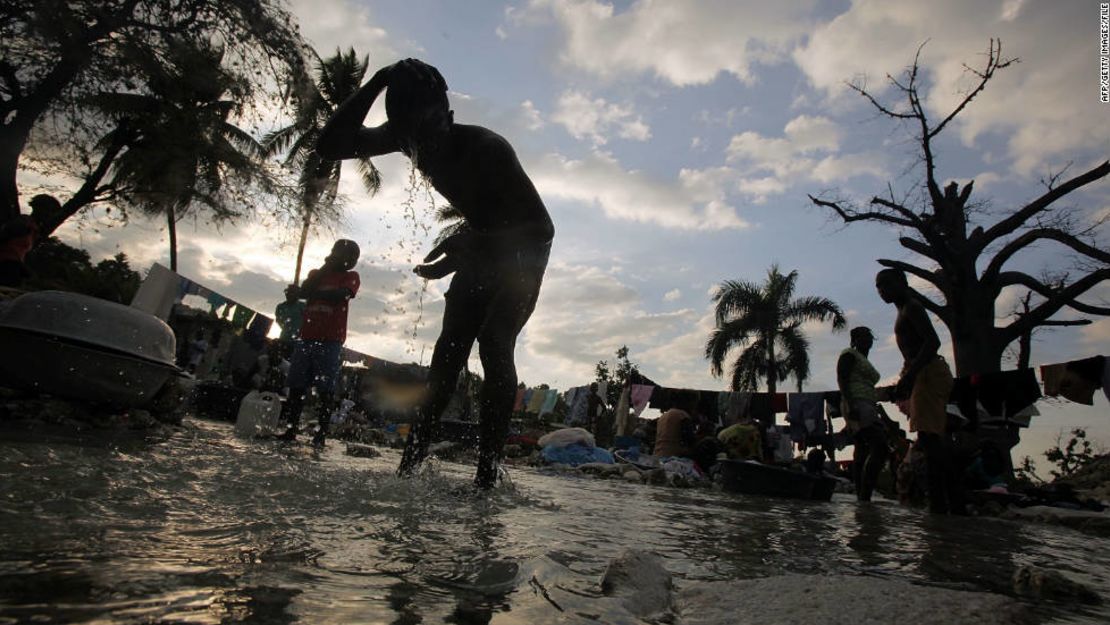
(207, 528)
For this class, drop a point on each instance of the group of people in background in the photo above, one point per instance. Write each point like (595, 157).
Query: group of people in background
(922, 392)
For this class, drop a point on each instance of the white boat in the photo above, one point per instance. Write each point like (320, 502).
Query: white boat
(84, 348)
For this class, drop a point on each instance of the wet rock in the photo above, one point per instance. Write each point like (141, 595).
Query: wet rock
(656, 476)
(373, 436)
(359, 450)
(839, 600)
(1083, 520)
(1041, 584)
(171, 402)
(445, 450)
(639, 580)
(140, 420)
(632, 477)
(599, 468)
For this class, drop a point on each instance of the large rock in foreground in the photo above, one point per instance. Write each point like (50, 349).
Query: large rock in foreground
(839, 600)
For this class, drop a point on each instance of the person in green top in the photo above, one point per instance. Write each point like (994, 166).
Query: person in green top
(290, 316)
(856, 377)
(742, 440)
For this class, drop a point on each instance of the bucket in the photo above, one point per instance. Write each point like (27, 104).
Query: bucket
(259, 413)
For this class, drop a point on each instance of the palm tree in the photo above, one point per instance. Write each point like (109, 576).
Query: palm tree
(766, 321)
(337, 78)
(453, 223)
(180, 146)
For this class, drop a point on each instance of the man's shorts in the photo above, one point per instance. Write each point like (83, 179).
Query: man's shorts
(316, 363)
(496, 295)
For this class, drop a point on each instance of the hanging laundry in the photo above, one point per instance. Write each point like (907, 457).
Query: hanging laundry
(215, 301)
(260, 326)
(1076, 380)
(965, 398)
(1006, 393)
(640, 395)
(779, 403)
(551, 397)
(707, 407)
(760, 408)
(158, 292)
(1023, 417)
(579, 409)
(833, 409)
(806, 415)
(736, 403)
(242, 316)
(535, 401)
(518, 403)
(622, 414)
(1106, 377)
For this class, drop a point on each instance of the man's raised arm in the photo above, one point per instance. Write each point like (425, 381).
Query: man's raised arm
(344, 135)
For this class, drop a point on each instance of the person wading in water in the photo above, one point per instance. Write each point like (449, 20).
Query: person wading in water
(498, 260)
(926, 382)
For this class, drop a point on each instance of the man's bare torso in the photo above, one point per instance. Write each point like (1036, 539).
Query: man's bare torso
(905, 332)
(480, 175)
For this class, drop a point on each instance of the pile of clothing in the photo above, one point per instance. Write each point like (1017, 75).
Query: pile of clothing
(572, 446)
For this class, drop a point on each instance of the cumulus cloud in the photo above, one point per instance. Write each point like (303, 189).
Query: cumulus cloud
(807, 150)
(532, 118)
(583, 315)
(596, 119)
(1040, 104)
(696, 201)
(672, 295)
(685, 42)
(331, 24)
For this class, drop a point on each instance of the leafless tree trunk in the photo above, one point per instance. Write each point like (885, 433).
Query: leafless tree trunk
(940, 233)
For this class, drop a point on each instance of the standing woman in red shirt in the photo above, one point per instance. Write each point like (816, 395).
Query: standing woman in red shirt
(318, 354)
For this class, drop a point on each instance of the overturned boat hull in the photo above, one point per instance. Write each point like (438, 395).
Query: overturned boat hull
(753, 478)
(73, 370)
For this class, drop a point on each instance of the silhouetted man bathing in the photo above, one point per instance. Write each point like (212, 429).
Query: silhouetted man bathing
(498, 260)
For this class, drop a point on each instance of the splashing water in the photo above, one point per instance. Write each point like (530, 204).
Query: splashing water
(208, 528)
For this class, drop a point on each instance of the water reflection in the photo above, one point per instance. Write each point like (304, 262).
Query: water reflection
(209, 529)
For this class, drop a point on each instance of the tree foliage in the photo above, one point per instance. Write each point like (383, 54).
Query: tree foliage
(55, 265)
(765, 321)
(59, 54)
(182, 151)
(619, 376)
(336, 78)
(967, 262)
(1066, 458)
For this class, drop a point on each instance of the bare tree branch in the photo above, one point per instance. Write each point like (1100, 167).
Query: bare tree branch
(1066, 322)
(898, 208)
(1055, 299)
(882, 109)
(1026, 239)
(1015, 221)
(920, 247)
(932, 277)
(930, 305)
(994, 62)
(850, 215)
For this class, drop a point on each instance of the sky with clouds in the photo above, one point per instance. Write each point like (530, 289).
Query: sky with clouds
(674, 144)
